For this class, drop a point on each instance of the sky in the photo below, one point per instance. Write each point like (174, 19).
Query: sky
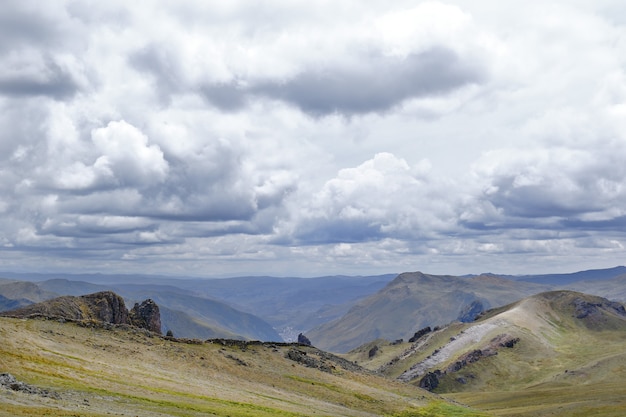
(309, 138)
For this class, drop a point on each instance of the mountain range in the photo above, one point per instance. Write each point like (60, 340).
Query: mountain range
(505, 345)
(326, 309)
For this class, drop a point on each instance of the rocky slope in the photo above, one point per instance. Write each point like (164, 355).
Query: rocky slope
(556, 352)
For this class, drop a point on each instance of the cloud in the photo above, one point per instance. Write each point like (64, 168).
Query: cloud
(286, 136)
(553, 187)
(20, 78)
(31, 64)
(383, 197)
(376, 84)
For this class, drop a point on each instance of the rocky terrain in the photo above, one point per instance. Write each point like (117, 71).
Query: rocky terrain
(102, 307)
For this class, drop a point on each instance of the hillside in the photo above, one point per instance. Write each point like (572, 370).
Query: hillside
(613, 288)
(413, 301)
(64, 369)
(555, 353)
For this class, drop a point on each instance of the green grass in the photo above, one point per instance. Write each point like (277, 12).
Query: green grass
(442, 409)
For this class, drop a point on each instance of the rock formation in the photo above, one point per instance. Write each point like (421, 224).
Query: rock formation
(103, 307)
(303, 340)
(146, 315)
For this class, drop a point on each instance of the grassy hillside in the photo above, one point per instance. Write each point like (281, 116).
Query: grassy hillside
(413, 301)
(566, 357)
(92, 371)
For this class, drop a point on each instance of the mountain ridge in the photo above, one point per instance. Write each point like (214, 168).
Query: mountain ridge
(557, 352)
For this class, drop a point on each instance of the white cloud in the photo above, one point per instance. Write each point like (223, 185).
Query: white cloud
(287, 136)
(127, 155)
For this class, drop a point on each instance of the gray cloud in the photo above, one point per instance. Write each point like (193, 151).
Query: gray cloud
(551, 188)
(183, 131)
(23, 23)
(52, 81)
(375, 84)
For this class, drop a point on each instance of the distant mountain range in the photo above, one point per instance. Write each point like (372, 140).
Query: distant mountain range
(329, 310)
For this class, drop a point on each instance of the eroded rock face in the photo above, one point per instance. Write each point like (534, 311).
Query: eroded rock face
(107, 307)
(104, 307)
(146, 315)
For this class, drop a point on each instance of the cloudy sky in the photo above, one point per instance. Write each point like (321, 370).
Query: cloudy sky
(305, 138)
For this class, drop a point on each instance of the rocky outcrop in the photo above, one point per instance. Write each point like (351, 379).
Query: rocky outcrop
(303, 340)
(146, 315)
(431, 380)
(584, 308)
(103, 307)
(418, 334)
(8, 381)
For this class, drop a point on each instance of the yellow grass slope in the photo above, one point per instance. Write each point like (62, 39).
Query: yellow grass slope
(129, 372)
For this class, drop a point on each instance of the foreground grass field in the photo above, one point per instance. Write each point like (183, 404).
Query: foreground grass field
(128, 372)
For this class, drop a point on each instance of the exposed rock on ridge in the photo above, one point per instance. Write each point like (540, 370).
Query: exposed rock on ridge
(146, 315)
(104, 307)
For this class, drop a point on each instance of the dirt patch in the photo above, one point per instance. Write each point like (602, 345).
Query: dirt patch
(458, 343)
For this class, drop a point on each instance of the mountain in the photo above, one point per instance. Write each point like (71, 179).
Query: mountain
(571, 278)
(53, 368)
(413, 301)
(614, 288)
(554, 353)
(28, 291)
(10, 304)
